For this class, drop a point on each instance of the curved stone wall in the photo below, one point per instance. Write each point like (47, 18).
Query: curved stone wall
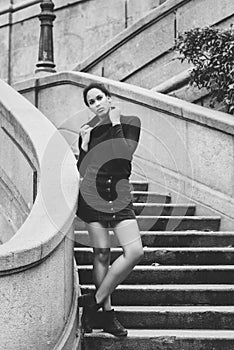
(184, 149)
(38, 289)
(18, 176)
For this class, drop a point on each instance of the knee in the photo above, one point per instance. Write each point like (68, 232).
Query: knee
(135, 254)
(139, 253)
(102, 255)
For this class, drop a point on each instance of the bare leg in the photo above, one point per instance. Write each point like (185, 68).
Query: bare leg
(99, 239)
(128, 235)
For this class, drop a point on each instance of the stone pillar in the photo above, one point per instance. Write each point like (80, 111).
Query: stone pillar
(46, 49)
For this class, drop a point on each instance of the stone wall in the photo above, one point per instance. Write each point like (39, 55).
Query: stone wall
(80, 28)
(142, 55)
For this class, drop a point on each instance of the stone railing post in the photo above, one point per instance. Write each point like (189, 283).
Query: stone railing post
(46, 50)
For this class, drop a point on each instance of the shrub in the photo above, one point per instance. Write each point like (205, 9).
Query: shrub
(211, 51)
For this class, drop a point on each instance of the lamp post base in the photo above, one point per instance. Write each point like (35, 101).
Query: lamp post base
(45, 68)
(46, 51)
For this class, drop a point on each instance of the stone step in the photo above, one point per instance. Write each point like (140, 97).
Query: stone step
(170, 223)
(150, 197)
(187, 238)
(178, 223)
(159, 339)
(139, 185)
(154, 209)
(166, 294)
(170, 275)
(168, 256)
(173, 317)
(188, 256)
(172, 238)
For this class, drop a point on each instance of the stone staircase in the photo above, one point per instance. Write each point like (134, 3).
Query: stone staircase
(181, 295)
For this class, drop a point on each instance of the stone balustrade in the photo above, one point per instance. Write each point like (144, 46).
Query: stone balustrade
(38, 193)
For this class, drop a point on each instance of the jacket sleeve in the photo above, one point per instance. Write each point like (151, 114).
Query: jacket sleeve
(81, 163)
(125, 138)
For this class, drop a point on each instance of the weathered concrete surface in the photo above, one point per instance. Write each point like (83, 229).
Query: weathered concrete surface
(14, 164)
(165, 274)
(163, 210)
(189, 238)
(4, 42)
(170, 223)
(138, 51)
(24, 48)
(163, 340)
(136, 9)
(173, 317)
(80, 28)
(153, 61)
(13, 206)
(171, 294)
(7, 230)
(197, 13)
(33, 299)
(172, 256)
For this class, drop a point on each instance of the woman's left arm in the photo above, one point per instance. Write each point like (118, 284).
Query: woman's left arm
(125, 136)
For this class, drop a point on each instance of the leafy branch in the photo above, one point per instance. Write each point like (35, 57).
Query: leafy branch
(211, 51)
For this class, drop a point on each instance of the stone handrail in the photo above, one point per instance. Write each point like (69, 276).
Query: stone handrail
(37, 281)
(179, 87)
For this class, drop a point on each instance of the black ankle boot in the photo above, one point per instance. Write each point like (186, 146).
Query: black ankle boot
(112, 325)
(90, 307)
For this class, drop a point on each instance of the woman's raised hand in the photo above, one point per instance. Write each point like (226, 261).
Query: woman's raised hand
(85, 134)
(115, 115)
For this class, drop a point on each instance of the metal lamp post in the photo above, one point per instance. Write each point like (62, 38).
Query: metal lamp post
(46, 50)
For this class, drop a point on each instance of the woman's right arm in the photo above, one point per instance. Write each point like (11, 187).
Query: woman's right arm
(81, 156)
(83, 148)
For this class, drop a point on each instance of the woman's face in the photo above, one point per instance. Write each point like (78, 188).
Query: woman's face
(98, 102)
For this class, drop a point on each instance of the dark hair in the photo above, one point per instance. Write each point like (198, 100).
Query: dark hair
(94, 86)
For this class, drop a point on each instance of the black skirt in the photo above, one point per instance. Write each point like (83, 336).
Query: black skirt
(106, 199)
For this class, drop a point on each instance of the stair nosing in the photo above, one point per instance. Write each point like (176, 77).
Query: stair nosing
(171, 333)
(189, 217)
(182, 287)
(151, 192)
(177, 308)
(172, 267)
(175, 233)
(170, 249)
(150, 204)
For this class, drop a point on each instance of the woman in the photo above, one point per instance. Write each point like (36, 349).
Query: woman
(107, 143)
